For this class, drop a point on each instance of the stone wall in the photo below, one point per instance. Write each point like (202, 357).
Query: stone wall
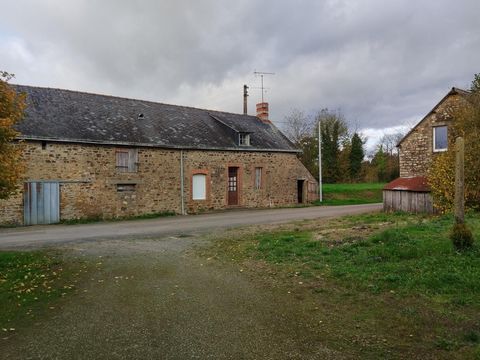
(416, 150)
(89, 180)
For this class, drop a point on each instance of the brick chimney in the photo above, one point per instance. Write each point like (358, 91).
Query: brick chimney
(262, 112)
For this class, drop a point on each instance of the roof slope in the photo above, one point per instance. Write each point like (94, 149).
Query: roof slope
(71, 116)
(453, 91)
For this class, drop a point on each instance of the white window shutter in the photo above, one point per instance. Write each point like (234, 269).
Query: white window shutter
(199, 187)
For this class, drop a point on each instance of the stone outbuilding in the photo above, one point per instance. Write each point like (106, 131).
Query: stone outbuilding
(417, 149)
(98, 156)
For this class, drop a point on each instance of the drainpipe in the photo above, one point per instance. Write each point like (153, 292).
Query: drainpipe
(182, 195)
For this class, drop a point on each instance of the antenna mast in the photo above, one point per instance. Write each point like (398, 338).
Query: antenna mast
(262, 74)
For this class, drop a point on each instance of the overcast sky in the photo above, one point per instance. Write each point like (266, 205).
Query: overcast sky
(385, 63)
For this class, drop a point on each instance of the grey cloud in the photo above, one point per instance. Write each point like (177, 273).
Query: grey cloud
(382, 62)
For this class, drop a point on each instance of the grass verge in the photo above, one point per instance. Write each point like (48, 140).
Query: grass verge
(31, 283)
(351, 194)
(394, 277)
(90, 220)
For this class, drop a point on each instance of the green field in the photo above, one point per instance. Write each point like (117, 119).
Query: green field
(352, 194)
(394, 276)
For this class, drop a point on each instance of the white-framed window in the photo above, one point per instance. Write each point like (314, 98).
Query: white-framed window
(440, 138)
(199, 187)
(126, 160)
(258, 178)
(244, 139)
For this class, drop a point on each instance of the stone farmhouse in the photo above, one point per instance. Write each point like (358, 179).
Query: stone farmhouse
(417, 149)
(97, 156)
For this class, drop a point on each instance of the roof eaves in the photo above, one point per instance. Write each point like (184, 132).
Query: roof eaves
(150, 145)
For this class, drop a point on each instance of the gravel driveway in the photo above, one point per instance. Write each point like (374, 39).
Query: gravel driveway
(155, 299)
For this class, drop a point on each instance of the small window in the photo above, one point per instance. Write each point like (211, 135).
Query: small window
(199, 187)
(44, 145)
(258, 178)
(127, 160)
(125, 187)
(244, 139)
(440, 138)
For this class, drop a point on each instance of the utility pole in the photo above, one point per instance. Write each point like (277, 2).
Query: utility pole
(459, 181)
(320, 192)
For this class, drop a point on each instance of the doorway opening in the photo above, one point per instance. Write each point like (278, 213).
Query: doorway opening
(300, 184)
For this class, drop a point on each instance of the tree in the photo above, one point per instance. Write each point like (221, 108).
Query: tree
(334, 131)
(390, 141)
(475, 86)
(441, 175)
(298, 126)
(356, 156)
(12, 106)
(309, 154)
(379, 163)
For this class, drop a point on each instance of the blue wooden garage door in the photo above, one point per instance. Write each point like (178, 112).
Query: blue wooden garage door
(41, 203)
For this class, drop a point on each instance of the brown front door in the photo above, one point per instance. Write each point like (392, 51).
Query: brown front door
(233, 186)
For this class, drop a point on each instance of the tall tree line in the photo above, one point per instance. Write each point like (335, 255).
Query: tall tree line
(343, 149)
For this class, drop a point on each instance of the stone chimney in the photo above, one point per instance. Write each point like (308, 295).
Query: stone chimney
(262, 112)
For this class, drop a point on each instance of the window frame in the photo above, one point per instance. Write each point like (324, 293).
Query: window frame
(207, 185)
(434, 129)
(258, 180)
(126, 188)
(132, 160)
(244, 139)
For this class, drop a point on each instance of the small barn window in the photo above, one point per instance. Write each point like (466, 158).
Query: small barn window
(199, 187)
(126, 160)
(125, 187)
(440, 138)
(258, 178)
(244, 139)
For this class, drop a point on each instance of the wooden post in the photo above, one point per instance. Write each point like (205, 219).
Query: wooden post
(459, 181)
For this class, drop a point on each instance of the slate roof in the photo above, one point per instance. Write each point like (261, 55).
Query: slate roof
(415, 183)
(72, 116)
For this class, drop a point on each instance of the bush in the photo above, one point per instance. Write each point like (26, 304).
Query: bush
(461, 237)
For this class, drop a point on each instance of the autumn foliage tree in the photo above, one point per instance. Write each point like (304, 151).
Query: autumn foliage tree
(441, 177)
(12, 106)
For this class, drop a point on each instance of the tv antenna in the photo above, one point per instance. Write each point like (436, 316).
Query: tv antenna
(262, 74)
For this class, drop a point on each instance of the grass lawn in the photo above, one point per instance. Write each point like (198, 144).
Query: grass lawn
(352, 194)
(90, 220)
(394, 276)
(31, 283)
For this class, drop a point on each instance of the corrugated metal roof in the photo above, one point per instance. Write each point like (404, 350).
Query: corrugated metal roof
(72, 116)
(416, 183)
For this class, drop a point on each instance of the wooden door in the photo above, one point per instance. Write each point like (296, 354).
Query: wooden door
(233, 186)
